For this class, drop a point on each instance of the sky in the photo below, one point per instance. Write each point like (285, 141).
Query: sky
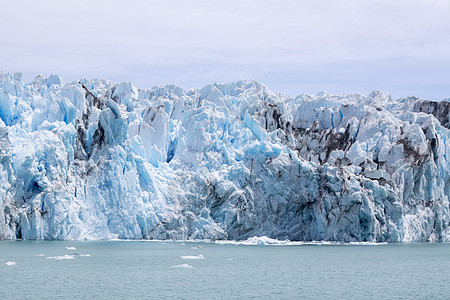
(293, 47)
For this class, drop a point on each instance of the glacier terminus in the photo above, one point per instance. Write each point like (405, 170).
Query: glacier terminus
(95, 160)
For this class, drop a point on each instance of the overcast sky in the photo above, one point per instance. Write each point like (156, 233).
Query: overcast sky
(293, 47)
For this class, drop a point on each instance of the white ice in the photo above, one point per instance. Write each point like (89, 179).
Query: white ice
(97, 160)
(193, 257)
(62, 257)
(182, 266)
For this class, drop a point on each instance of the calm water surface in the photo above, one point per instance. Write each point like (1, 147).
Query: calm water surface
(156, 270)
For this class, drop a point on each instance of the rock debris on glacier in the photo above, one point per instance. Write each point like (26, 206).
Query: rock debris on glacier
(97, 160)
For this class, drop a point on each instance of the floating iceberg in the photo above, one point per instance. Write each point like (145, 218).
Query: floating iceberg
(62, 257)
(257, 241)
(193, 257)
(183, 266)
(97, 160)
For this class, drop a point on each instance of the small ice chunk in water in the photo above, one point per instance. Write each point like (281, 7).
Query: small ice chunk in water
(85, 255)
(61, 257)
(229, 258)
(71, 248)
(11, 263)
(65, 257)
(40, 254)
(193, 257)
(183, 266)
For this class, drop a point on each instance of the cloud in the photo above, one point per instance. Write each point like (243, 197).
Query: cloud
(195, 42)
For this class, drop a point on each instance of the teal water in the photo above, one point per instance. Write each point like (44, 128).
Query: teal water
(151, 270)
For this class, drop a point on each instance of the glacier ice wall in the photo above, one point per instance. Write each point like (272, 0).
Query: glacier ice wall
(97, 160)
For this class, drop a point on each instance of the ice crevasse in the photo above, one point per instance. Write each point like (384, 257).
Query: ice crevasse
(95, 160)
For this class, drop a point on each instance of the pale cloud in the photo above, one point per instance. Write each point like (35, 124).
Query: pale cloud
(292, 46)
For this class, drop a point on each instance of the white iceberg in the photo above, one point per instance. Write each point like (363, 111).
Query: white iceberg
(193, 257)
(62, 257)
(183, 266)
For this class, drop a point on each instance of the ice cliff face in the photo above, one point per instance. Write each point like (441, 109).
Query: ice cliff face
(95, 160)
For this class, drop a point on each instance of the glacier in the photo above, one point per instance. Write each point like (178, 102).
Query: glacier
(91, 159)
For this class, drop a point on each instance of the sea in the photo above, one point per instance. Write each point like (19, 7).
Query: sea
(212, 270)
